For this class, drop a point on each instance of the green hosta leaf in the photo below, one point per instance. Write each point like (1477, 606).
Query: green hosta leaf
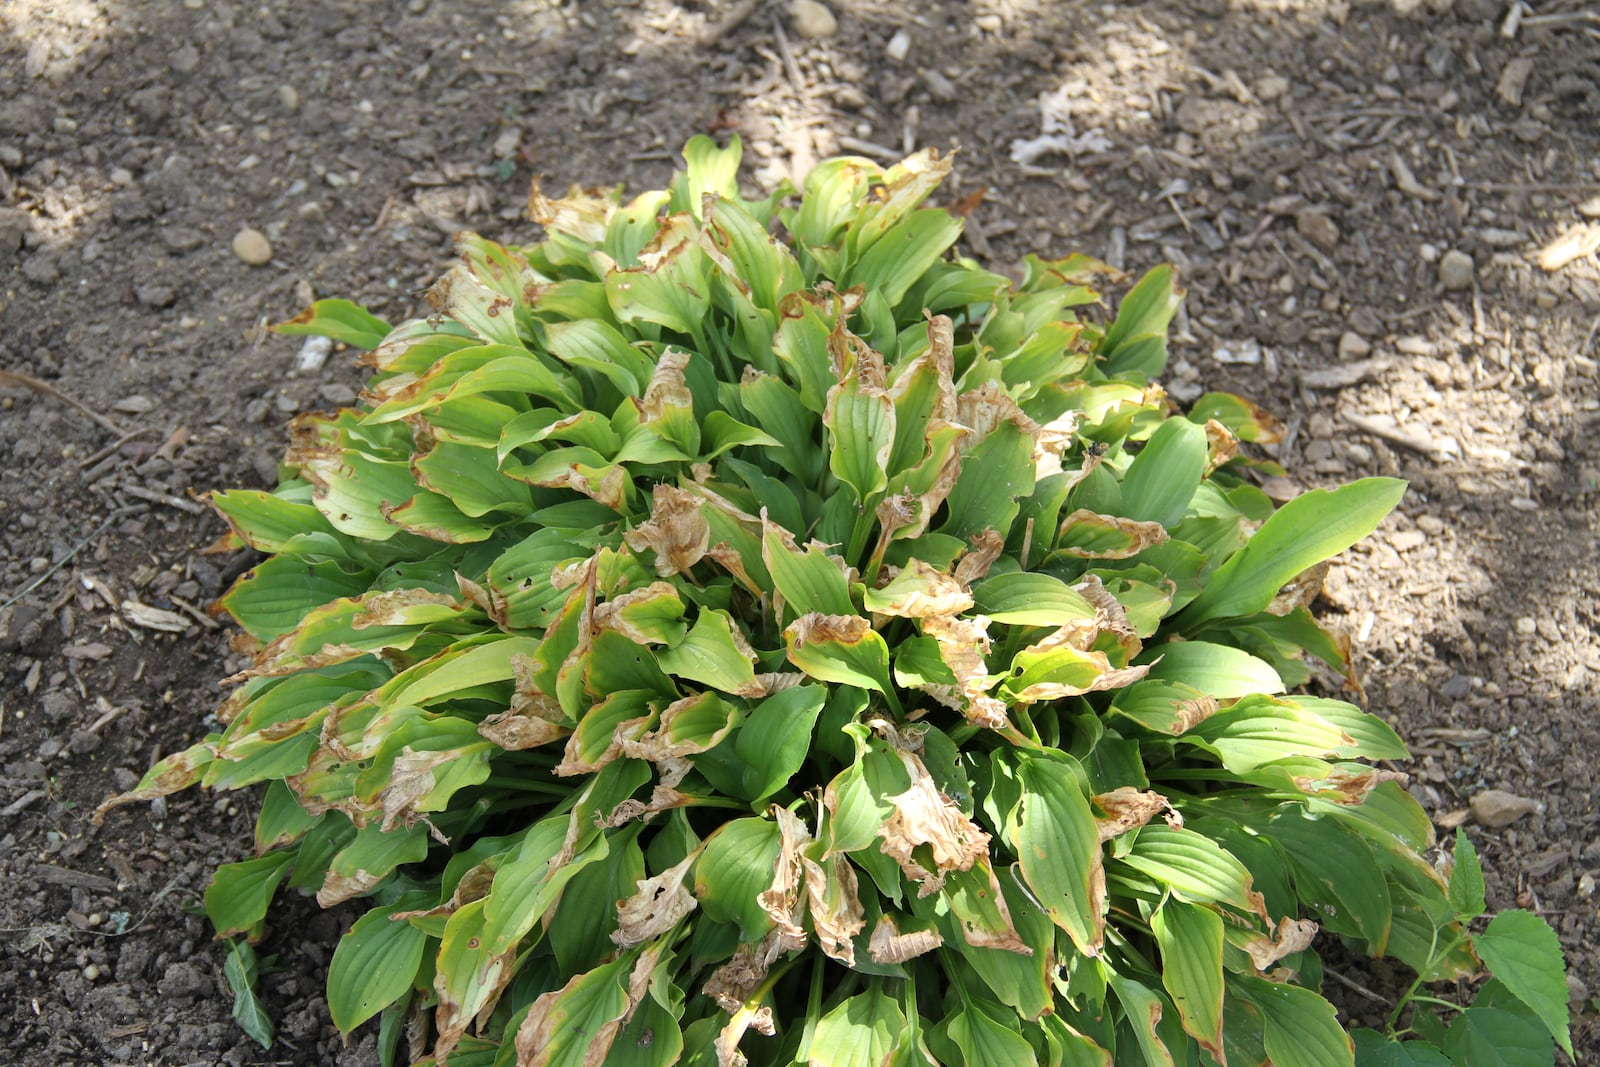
(454, 671)
(840, 648)
(985, 1035)
(778, 409)
(593, 344)
(801, 343)
(1322, 853)
(280, 592)
(1026, 599)
(904, 253)
(1165, 474)
(1137, 340)
(581, 931)
(773, 743)
(282, 820)
(736, 867)
(1494, 1037)
(375, 964)
(861, 418)
(239, 968)
(1193, 866)
(994, 473)
(1145, 1010)
(1466, 879)
(1370, 738)
(1219, 671)
(1310, 528)
(370, 858)
(239, 894)
(1302, 1029)
(712, 171)
(1522, 952)
(1190, 937)
(1259, 729)
(809, 581)
(266, 521)
(674, 293)
(1246, 421)
(341, 320)
(722, 432)
(1058, 846)
(710, 655)
(1375, 1050)
(862, 1031)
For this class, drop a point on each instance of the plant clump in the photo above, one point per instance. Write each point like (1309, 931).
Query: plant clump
(705, 646)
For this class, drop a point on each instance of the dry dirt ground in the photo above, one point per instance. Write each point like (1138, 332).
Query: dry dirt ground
(1316, 168)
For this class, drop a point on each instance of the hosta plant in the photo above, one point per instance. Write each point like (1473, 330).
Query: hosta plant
(736, 631)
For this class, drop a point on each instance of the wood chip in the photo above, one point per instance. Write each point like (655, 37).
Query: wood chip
(66, 876)
(1389, 431)
(1406, 181)
(1573, 245)
(93, 650)
(151, 618)
(1346, 374)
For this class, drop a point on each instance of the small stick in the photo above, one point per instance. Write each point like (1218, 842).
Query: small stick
(737, 16)
(131, 435)
(790, 66)
(162, 498)
(1352, 984)
(45, 389)
(79, 547)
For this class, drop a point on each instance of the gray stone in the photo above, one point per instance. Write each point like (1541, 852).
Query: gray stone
(1456, 270)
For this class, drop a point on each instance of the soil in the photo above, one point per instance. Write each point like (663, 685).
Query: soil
(1317, 169)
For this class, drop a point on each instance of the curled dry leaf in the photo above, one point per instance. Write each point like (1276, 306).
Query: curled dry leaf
(1292, 935)
(962, 645)
(889, 945)
(733, 983)
(1347, 785)
(1301, 590)
(846, 629)
(924, 816)
(410, 781)
(1055, 438)
(983, 409)
(338, 888)
(667, 389)
(1089, 535)
(835, 905)
(1221, 445)
(781, 900)
(676, 531)
(987, 546)
(918, 591)
(656, 905)
(1127, 808)
(661, 799)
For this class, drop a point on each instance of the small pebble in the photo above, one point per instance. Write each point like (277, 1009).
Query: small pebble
(1526, 626)
(137, 404)
(92, 972)
(899, 46)
(1429, 253)
(252, 247)
(1456, 270)
(1319, 229)
(813, 20)
(988, 23)
(1546, 300)
(288, 98)
(1353, 346)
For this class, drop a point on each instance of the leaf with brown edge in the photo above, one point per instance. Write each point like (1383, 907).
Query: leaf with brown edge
(1087, 535)
(917, 592)
(676, 531)
(844, 649)
(576, 1025)
(649, 616)
(981, 911)
(1291, 936)
(962, 645)
(175, 773)
(694, 724)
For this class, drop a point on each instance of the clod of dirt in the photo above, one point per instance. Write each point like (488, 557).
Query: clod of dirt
(1456, 270)
(253, 247)
(813, 20)
(1495, 808)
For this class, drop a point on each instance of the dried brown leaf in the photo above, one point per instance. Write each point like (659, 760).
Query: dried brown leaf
(781, 900)
(656, 905)
(676, 531)
(924, 816)
(1127, 808)
(831, 889)
(889, 945)
(1293, 935)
